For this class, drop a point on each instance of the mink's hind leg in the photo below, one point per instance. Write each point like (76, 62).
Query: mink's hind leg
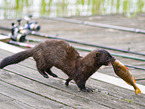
(51, 73)
(43, 73)
(67, 81)
(41, 70)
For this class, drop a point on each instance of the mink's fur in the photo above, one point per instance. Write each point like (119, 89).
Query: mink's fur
(60, 54)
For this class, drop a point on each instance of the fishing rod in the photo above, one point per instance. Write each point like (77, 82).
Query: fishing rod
(20, 44)
(140, 79)
(87, 50)
(83, 43)
(18, 32)
(113, 54)
(31, 26)
(78, 42)
(7, 39)
(82, 49)
(31, 46)
(135, 30)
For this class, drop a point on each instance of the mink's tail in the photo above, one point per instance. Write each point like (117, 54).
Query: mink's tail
(16, 58)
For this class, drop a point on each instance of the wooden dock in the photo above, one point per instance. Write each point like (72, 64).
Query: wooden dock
(22, 87)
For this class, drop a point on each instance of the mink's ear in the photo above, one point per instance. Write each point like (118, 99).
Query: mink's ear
(97, 54)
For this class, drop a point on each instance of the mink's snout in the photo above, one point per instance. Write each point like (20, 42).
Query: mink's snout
(112, 59)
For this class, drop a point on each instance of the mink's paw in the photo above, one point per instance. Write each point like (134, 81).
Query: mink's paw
(67, 81)
(45, 76)
(88, 90)
(54, 75)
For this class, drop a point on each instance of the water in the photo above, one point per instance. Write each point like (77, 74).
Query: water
(65, 8)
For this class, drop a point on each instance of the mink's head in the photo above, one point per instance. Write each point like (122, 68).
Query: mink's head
(103, 57)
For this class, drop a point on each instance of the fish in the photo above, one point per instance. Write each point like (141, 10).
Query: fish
(123, 72)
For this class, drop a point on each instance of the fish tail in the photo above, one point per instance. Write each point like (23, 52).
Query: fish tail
(137, 90)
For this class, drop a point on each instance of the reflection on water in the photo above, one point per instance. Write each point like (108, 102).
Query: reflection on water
(59, 8)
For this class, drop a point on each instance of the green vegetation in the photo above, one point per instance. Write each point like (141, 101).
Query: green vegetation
(60, 8)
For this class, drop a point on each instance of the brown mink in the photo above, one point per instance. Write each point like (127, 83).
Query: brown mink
(63, 56)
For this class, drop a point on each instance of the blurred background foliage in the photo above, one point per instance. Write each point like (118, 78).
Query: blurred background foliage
(63, 8)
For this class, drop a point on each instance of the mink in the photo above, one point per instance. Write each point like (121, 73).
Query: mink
(62, 55)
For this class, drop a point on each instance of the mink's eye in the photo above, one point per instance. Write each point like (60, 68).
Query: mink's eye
(107, 57)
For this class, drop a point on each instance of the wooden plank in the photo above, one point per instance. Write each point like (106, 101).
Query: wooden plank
(116, 94)
(53, 82)
(9, 103)
(10, 48)
(116, 81)
(4, 38)
(120, 96)
(108, 100)
(52, 93)
(22, 98)
(90, 96)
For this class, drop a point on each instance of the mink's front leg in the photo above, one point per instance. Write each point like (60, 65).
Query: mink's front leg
(81, 85)
(67, 81)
